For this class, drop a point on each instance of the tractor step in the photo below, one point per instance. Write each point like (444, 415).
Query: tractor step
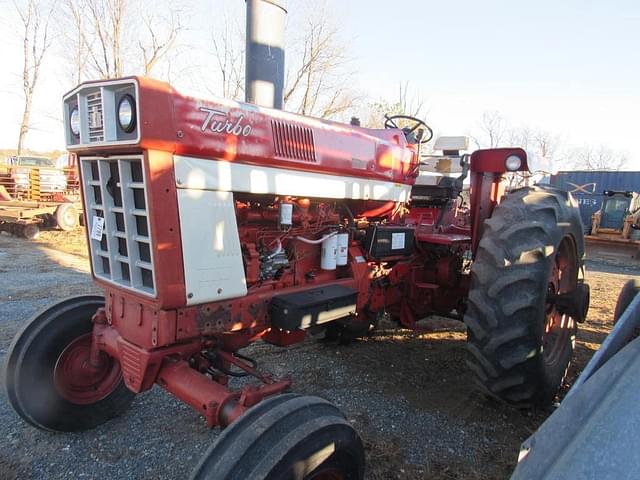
(306, 309)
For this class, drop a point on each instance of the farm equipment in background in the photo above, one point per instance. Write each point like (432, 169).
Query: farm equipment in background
(615, 228)
(619, 214)
(24, 219)
(32, 178)
(68, 164)
(614, 237)
(35, 191)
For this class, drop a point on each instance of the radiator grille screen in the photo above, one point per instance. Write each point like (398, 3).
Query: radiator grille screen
(114, 189)
(95, 117)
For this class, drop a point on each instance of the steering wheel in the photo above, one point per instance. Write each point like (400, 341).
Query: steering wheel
(390, 122)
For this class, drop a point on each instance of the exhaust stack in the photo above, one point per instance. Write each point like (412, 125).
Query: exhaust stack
(264, 78)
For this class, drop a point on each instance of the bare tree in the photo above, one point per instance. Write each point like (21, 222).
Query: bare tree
(597, 158)
(522, 137)
(74, 38)
(548, 145)
(317, 79)
(407, 103)
(544, 151)
(158, 46)
(411, 104)
(492, 131)
(318, 84)
(229, 56)
(35, 18)
(543, 147)
(102, 34)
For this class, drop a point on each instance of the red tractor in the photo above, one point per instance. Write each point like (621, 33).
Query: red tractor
(214, 224)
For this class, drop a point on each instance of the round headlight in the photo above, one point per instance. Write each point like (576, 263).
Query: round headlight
(127, 113)
(74, 122)
(513, 163)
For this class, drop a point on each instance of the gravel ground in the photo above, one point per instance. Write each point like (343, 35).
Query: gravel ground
(410, 396)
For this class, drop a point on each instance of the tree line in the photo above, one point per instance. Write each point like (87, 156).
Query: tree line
(494, 130)
(112, 38)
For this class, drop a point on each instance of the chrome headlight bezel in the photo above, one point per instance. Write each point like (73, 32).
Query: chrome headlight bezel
(74, 122)
(127, 113)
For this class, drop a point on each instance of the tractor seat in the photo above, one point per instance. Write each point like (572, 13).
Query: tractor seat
(446, 189)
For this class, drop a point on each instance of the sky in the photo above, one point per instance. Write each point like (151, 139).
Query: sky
(571, 68)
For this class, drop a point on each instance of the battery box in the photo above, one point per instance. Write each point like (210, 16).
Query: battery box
(312, 307)
(383, 241)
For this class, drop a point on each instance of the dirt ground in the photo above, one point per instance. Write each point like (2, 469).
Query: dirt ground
(409, 395)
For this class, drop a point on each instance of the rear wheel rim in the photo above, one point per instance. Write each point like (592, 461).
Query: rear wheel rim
(69, 218)
(559, 328)
(79, 382)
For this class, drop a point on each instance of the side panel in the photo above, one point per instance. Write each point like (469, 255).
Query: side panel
(196, 173)
(211, 253)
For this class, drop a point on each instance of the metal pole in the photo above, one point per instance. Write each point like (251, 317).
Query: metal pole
(264, 80)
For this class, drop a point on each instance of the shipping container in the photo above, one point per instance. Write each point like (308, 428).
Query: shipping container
(588, 186)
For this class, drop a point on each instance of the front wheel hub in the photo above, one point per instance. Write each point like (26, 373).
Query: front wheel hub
(80, 382)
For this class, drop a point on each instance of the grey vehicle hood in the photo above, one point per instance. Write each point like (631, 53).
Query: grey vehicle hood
(595, 433)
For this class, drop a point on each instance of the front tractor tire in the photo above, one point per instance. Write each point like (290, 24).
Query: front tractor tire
(49, 381)
(286, 437)
(531, 251)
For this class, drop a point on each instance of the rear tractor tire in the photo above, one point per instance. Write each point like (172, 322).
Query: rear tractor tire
(531, 251)
(48, 379)
(286, 437)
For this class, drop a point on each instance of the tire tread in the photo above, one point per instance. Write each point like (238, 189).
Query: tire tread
(508, 291)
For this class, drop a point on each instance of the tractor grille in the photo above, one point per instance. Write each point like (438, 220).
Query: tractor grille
(94, 116)
(114, 189)
(293, 141)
